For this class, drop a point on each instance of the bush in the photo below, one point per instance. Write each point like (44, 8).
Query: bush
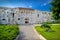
(53, 22)
(56, 21)
(8, 32)
(48, 22)
(46, 26)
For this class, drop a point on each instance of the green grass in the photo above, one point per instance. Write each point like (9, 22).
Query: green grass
(50, 35)
(8, 32)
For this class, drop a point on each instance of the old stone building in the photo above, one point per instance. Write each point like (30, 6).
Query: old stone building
(23, 16)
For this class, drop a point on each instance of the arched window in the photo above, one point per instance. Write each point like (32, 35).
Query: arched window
(26, 18)
(37, 15)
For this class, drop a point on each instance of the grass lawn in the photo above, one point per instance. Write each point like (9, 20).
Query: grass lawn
(8, 32)
(50, 35)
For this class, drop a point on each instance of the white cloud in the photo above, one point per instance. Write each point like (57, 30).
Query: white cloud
(9, 6)
(44, 4)
(30, 6)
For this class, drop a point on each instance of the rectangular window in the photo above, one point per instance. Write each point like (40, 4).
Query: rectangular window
(18, 18)
(38, 15)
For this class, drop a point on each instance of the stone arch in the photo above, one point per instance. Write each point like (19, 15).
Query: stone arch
(26, 20)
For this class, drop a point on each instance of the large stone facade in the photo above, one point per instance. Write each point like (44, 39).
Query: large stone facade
(23, 16)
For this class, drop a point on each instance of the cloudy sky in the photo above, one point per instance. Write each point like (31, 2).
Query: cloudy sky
(35, 4)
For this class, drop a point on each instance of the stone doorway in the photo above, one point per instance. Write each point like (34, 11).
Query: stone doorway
(26, 20)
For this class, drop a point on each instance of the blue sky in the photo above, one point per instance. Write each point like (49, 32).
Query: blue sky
(35, 4)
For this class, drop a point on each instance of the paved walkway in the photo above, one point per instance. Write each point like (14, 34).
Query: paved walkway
(27, 33)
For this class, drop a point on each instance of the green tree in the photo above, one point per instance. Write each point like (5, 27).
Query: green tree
(55, 8)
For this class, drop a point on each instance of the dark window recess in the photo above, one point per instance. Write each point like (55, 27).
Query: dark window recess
(3, 19)
(26, 22)
(7, 15)
(38, 15)
(18, 18)
(13, 14)
(7, 12)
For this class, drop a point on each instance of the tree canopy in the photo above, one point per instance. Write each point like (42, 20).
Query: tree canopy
(55, 8)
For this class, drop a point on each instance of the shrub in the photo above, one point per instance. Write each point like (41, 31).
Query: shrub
(48, 22)
(56, 21)
(46, 26)
(8, 32)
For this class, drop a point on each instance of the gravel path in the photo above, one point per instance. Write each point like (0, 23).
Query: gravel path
(27, 33)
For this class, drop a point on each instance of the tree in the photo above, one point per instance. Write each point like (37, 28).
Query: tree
(55, 8)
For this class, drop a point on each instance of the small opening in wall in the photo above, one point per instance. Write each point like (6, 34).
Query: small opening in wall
(18, 18)
(38, 15)
(7, 12)
(26, 22)
(3, 19)
(13, 14)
